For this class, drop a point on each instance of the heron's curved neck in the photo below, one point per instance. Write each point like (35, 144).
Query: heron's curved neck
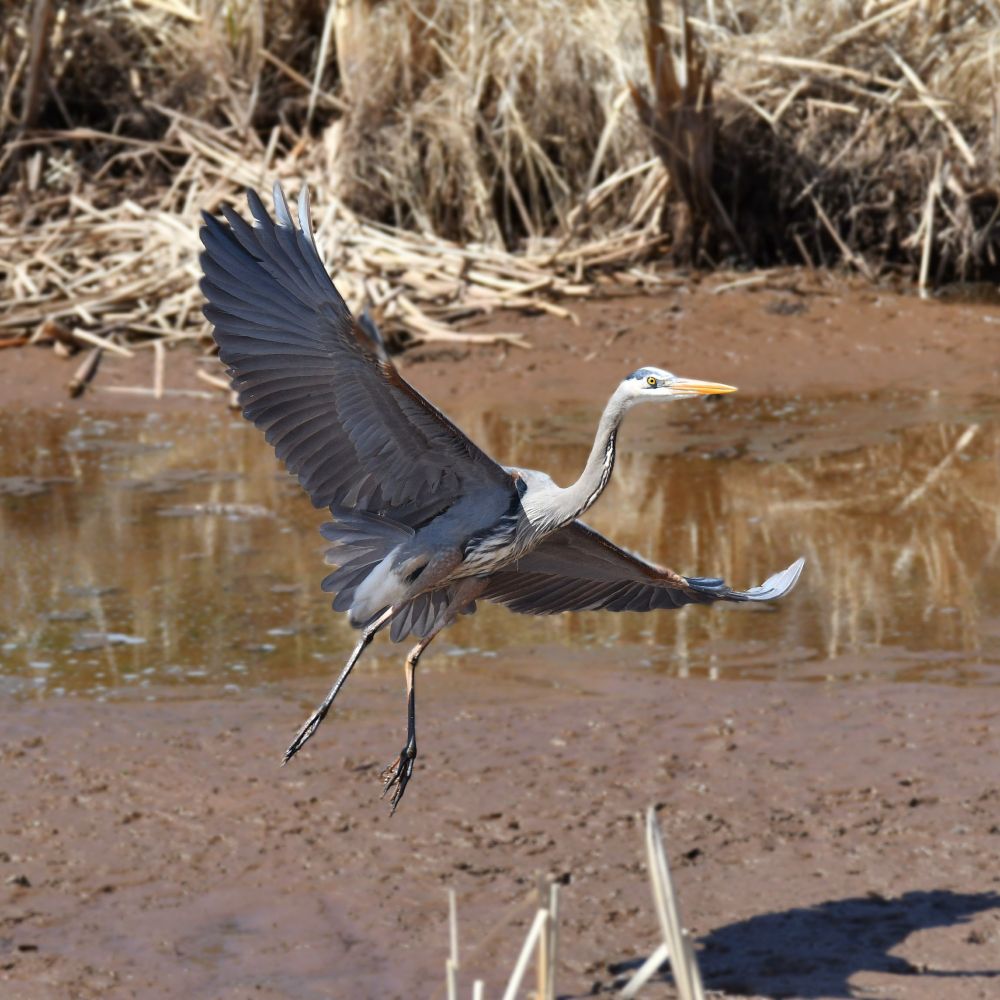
(575, 499)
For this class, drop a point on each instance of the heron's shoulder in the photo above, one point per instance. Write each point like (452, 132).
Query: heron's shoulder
(531, 478)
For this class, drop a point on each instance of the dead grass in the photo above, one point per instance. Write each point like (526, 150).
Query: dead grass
(836, 121)
(466, 156)
(490, 123)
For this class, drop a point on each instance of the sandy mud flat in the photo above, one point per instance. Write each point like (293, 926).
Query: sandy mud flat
(825, 773)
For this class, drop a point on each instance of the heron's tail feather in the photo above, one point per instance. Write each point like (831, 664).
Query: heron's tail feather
(424, 613)
(360, 542)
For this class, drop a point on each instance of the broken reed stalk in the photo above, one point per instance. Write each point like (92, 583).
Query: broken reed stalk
(41, 26)
(217, 381)
(535, 936)
(676, 945)
(933, 192)
(681, 122)
(451, 965)
(547, 969)
(542, 937)
(83, 375)
(159, 365)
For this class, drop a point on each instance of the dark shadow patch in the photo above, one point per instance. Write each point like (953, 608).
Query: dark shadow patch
(813, 952)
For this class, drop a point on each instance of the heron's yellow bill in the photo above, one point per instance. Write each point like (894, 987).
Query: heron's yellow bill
(696, 385)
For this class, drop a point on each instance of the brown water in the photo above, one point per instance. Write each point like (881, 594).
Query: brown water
(142, 551)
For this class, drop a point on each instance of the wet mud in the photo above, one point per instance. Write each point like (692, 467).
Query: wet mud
(824, 770)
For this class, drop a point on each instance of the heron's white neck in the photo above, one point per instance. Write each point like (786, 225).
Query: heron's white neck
(576, 499)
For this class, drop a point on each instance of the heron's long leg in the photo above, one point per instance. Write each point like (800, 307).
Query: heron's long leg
(399, 772)
(312, 723)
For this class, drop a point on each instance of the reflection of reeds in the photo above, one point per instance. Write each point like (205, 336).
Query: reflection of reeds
(901, 541)
(876, 576)
(197, 588)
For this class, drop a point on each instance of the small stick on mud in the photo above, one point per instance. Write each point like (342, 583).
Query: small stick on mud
(220, 383)
(933, 191)
(159, 360)
(217, 381)
(741, 283)
(83, 376)
(142, 390)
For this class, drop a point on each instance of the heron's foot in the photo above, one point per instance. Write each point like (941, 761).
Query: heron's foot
(305, 733)
(398, 773)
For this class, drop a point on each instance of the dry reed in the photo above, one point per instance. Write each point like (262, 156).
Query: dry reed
(541, 941)
(467, 157)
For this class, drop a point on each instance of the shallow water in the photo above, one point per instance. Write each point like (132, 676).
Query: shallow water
(143, 551)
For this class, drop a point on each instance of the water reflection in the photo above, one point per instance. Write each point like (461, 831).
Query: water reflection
(139, 551)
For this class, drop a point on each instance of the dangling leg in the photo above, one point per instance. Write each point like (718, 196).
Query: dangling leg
(399, 772)
(312, 723)
(462, 601)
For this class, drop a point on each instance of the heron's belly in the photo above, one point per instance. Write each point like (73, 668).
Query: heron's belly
(504, 544)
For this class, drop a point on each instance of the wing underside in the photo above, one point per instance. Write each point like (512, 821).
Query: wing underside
(578, 569)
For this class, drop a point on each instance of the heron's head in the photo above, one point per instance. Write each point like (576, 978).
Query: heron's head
(656, 384)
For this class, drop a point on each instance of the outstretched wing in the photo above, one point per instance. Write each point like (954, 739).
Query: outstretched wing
(578, 569)
(334, 407)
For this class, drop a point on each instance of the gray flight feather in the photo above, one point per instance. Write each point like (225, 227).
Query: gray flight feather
(327, 397)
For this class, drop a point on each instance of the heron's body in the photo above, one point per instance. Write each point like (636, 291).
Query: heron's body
(424, 522)
(475, 538)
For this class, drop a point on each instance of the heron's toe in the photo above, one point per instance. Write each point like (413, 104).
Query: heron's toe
(397, 775)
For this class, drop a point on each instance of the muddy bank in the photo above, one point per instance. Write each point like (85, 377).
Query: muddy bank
(784, 333)
(828, 840)
(833, 825)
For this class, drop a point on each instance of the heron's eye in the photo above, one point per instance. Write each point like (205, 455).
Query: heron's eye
(651, 381)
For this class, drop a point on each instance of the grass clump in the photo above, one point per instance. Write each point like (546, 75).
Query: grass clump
(546, 139)
(489, 122)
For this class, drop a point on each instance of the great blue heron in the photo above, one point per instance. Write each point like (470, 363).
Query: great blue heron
(425, 523)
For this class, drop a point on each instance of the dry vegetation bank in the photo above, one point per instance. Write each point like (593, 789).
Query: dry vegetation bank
(466, 156)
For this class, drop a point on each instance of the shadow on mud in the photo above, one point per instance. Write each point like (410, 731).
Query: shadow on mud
(812, 952)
